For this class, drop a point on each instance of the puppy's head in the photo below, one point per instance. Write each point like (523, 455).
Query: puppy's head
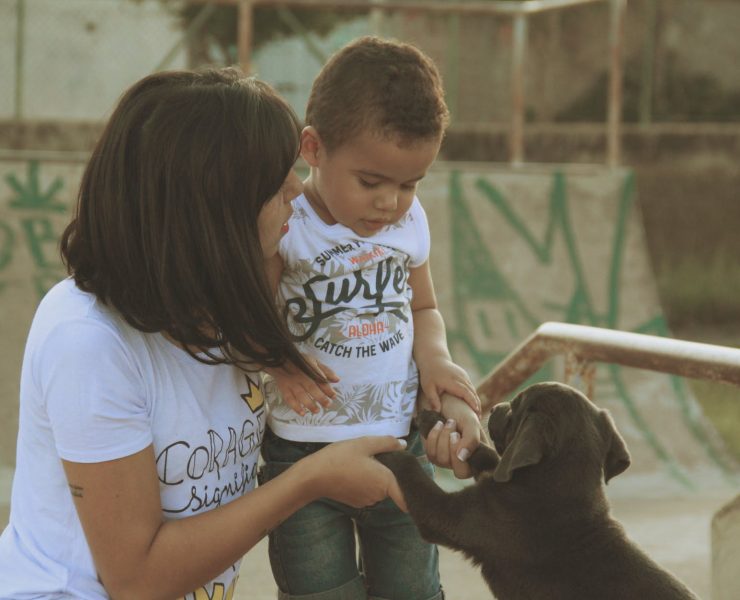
(551, 423)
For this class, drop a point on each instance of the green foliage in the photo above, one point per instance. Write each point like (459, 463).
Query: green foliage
(679, 96)
(699, 291)
(267, 22)
(216, 41)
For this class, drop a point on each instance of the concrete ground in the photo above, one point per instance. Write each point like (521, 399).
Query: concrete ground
(671, 525)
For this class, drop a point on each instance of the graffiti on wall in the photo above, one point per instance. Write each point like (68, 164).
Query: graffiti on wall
(478, 280)
(31, 226)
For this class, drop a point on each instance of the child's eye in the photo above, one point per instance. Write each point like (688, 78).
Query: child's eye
(368, 184)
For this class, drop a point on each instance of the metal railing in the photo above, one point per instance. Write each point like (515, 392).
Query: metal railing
(582, 345)
(519, 11)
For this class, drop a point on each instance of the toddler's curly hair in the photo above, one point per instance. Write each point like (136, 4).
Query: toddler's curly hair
(388, 88)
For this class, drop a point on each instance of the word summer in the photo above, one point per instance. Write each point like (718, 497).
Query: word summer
(337, 250)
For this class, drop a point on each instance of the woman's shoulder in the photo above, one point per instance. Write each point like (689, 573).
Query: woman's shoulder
(66, 303)
(71, 317)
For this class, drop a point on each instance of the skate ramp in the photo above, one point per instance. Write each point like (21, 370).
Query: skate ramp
(512, 248)
(515, 247)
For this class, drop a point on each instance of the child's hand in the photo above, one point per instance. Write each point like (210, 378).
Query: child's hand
(299, 391)
(442, 375)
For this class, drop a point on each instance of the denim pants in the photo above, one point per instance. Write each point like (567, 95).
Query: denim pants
(313, 553)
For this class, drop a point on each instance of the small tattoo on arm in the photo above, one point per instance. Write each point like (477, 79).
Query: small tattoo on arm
(266, 532)
(76, 490)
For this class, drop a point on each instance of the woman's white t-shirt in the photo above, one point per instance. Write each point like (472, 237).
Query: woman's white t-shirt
(94, 389)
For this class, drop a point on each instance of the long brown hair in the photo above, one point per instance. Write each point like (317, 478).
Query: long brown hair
(166, 224)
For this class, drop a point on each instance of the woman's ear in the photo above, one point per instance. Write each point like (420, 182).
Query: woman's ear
(310, 146)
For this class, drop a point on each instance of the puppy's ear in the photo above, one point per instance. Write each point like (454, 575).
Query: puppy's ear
(617, 457)
(527, 448)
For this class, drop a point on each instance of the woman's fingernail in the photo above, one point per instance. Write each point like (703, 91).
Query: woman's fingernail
(450, 424)
(403, 443)
(463, 454)
(438, 425)
(454, 437)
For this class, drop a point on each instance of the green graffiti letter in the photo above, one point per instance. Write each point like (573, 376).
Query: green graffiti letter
(39, 234)
(30, 196)
(7, 238)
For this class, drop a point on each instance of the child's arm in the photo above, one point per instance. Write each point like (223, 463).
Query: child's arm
(437, 372)
(297, 389)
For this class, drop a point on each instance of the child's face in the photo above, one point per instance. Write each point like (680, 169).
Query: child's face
(365, 184)
(273, 218)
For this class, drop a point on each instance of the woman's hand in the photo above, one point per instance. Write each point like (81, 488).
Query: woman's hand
(449, 444)
(348, 472)
(299, 391)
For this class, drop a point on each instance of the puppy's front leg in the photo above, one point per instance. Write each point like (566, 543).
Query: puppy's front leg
(437, 514)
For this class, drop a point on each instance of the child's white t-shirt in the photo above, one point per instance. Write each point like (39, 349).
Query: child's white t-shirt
(348, 301)
(95, 389)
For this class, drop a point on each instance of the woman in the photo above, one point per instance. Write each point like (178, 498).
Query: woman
(141, 410)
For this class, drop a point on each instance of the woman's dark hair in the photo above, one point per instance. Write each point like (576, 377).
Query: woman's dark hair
(166, 225)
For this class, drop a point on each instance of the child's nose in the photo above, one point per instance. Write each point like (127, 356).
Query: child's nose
(388, 201)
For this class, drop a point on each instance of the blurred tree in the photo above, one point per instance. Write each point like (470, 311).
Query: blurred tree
(215, 41)
(684, 97)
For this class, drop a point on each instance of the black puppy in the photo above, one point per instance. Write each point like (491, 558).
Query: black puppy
(537, 519)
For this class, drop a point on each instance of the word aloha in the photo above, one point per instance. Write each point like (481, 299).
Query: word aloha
(365, 329)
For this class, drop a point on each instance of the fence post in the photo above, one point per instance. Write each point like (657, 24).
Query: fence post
(20, 39)
(516, 143)
(244, 34)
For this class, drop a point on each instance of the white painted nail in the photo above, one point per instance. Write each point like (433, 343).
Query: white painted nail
(463, 454)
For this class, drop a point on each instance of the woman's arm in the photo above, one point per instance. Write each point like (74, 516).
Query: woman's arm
(140, 555)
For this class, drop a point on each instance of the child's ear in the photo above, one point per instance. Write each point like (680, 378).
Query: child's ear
(310, 146)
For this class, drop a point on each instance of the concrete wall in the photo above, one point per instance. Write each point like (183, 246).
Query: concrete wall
(79, 55)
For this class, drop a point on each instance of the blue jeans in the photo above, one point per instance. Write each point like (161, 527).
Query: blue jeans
(313, 553)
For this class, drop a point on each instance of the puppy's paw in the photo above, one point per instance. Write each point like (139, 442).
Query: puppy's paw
(403, 465)
(395, 461)
(426, 419)
(484, 458)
